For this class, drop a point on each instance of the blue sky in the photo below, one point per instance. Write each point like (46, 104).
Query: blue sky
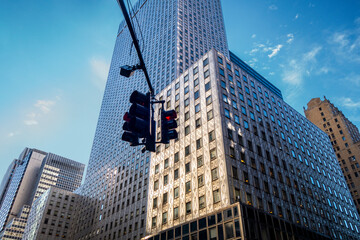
(55, 55)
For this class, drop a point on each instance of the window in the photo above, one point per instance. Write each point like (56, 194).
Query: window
(176, 174)
(236, 119)
(156, 185)
(186, 102)
(214, 174)
(187, 167)
(246, 124)
(165, 198)
(155, 203)
(188, 207)
(197, 108)
(210, 115)
(198, 143)
(235, 172)
(221, 72)
(225, 98)
(153, 222)
(220, 60)
(187, 130)
(166, 179)
(187, 115)
(241, 96)
(186, 90)
(176, 192)
(196, 70)
(206, 73)
(188, 187)
(176, 157)
(208, 100)
(196, 82)
(176, 213)
(216, 195)
(197, 94)
(213, 153)
(177, 85)
(198, 122)
(157, 168)
(227, 112)
(205, 62)
(186, 78)
(164, 217)
(200, 161)
(207, 86)
(201, 180)
(187, 150)
(201, 202)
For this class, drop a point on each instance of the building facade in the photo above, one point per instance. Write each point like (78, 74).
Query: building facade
(344, 137)
(34, 174)
(51, 215)
(177, 32)
(239, 141)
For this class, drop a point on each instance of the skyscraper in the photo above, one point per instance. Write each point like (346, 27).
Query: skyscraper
(344, 137)
(241, 144)
(172, 34)
(35, 172)
(239, 141)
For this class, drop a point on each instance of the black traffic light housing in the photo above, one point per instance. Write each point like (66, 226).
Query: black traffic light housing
(168, 125)
(139, 122)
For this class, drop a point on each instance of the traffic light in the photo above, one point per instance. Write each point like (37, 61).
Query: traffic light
(168, 125)
(139, 122)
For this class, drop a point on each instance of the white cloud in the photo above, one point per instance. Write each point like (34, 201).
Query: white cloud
(273, 7)
(275, 51)
(296, 69)
(310, 56)
(348, 102)
(12, 134)
(290, 38)
(324, 70)
(253, 36)
(271, 73)
(44, 105)
(346, 44)
(100, 68)
(296, 16)
(42, 108)
(30, 122)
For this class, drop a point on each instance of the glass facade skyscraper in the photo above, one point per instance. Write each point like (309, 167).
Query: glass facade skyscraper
(34, 172)
(244, 143)
(173, 34)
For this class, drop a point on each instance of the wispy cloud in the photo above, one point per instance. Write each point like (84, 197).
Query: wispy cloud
(253, 36)
(44, 105)
(100, 69)
(39, 110)
(12, 134)
(275, 51)
(296, 16)
(273, 7)
(297, 69)
(290, 37)
(349, 103)
(346, 44)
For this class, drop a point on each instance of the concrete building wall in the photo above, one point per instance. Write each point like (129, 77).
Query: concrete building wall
(345, 140)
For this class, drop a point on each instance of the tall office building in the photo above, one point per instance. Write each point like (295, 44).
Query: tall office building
(35, 172)
(262, 163)
(240, 142)
(172, 34)
(51, 215)
(344, 137)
